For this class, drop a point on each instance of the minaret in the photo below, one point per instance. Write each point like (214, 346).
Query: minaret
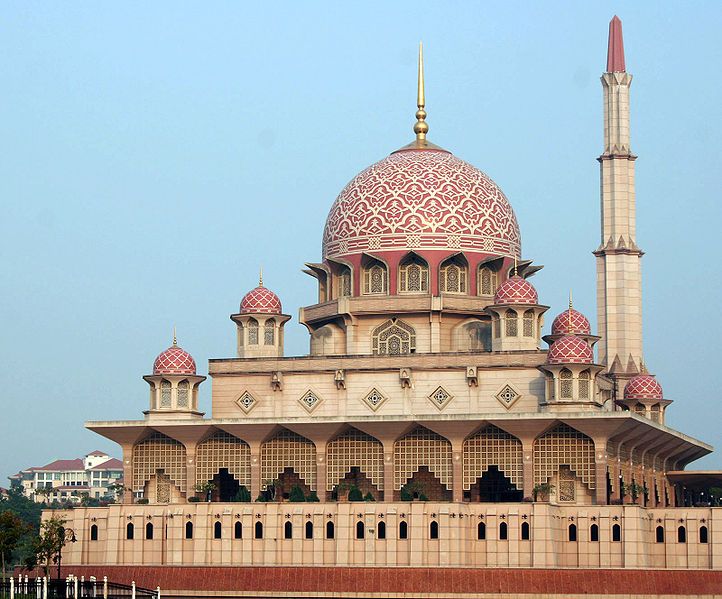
(619, 279)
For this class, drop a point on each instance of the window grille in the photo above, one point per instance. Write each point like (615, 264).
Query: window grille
(394, 337)
(165, 390)
(223, 450)
(422, 447)
(375, 280)
(567, 484)
(492, 446)
(288, 450)
(252, 331)
(529, 323)
(560, 446)
(453, 278)
(345, 283)
(565, 384)
(184, 388)
(269, 332)
(159, 453)
(584, 383)
(512, 326)
(354, 449)
(487, 281)
(414, 276)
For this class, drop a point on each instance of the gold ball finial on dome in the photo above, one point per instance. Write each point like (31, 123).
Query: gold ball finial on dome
(421, 128)
(175, 338)
(260, 276)
(571, 306)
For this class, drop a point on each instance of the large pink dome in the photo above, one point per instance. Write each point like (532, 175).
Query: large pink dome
(570, 350)
(174, 360)
(516, 290)
(643, 386)
(260, 300)
(421, 199)
(571, 322)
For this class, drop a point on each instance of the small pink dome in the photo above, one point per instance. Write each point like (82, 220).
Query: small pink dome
(174, 360)
(516, 290)
(643, 386)
(570, 349)
(260, 300)
(571, 322)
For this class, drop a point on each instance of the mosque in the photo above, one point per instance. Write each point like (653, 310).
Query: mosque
(431, 425)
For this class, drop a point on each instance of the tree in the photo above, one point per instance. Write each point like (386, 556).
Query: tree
(48, 547)
(296, 495)
(206, 489)
(12, 529)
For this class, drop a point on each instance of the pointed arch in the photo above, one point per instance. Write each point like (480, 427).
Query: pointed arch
(269, 332)
(566, 383)
(511, 321)
(563, 445)
(393, 337)
(374, 276)
(354, 448)
(585, 378)
(165, 394)
(159, 453)
(488, 281)
(252, 331)
(413, 274)
(454, 274)
(223, 450)
(491, 446)
(422, 447)
(287, 449)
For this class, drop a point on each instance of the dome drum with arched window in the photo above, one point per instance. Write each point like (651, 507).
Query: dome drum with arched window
(571, 322)
(571, 375)
(643, 395)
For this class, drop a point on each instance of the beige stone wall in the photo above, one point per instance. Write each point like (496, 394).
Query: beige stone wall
(457, 544)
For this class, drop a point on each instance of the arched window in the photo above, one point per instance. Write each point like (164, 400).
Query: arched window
(481, 531)
(572, 532)
(565, 384)
(184, 388)
(394, 337)
(344, 283)
(453, 277)
(269, 332)
(165, 387)
(374, 279)
(503, 531)
(94, 532)
(360, 530)
(381, 530)
(487, 281)
(616, 533)
(640, 409)
(584, 380)
(403, 530)
(288, 530)
(413, 276)
(659, 534)
(258, 530)
(252, 331)
(525, 532)
(237, 530)
(434, 530)
(681, 534)
(703, 537)
(655, 412)
(309, 529)
(330, 530)
(130, 531)
(529, 323)
(149, 531)
(217, 530)
(189, 530)
(512, 325)
(594, 533)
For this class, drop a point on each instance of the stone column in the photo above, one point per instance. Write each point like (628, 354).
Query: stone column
(190, 470)
(321, 474)
(600, 470)
(528, 466)
(128, 473)
(458, 472)
(255, 470)
(388, 472)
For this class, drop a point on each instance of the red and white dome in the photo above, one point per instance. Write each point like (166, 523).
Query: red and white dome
(570, 349)
(571, 322)
(174, 360)
(260, 300)
(643, 386)
(421, 199)
(516, 290)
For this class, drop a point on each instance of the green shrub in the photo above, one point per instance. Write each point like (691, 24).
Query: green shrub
(194, 499)
(406, 495)
(313, 497)
(369, 497)
(355, 494)
(243, 495)
(296, 495)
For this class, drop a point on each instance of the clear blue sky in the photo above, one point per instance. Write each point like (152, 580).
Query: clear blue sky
(154, 154)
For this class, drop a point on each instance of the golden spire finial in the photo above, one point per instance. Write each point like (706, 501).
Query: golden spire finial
(570, 311)
(175, 339)
(421, 128)
(516, 271)
(260, 276)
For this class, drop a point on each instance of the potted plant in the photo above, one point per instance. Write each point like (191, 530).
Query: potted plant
(206, 489)
(542, 491)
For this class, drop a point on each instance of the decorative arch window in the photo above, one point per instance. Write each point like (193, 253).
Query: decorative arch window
(616, 533)
(330, 530)
(487, 281)
(94, 532)
(381, 530)
(309, 530)
(165, 390)
(360, 530)
(184, 390)
(375, 279)
(237, 530)
(394, 337)
(594, 533)
(258, 530)
(529, 323)
(252, 331)
(703, 534)
(434, 530)
(149, 531)
(659, 534)
(572, 533)
(453, 277)
(655, 412)
(481, 531)
(640, 409)
(681, 534)
(565, 384)
(503, 531)
(512, 324)
(413, 276)
(585, 379)
(217, 530)
(403, 530)
(344, 282)
(525, 531)
(288, 530)
(189, 530)
(130, 531)
(269, 332)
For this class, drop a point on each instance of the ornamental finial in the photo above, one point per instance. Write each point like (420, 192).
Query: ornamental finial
(260, 276)
(175, 339)
(516, 270)
(421, 128)
(570, 310)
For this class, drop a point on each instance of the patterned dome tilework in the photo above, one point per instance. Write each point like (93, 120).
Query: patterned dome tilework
(643, 386)
(570, 350)
(260, 300)
(421, 199)
(174, 360)
(516, 290)
(571, 322)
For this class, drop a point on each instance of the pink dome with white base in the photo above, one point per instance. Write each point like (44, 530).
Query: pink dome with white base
(570, 349)
(643, 386)
(571, 322)
(174, 360)
(516, 290)
(260, 300)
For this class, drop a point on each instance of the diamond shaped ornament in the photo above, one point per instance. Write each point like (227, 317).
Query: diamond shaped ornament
(374, 399)
(507, 396)
(441, 397)
(246, 402)
(310, 400)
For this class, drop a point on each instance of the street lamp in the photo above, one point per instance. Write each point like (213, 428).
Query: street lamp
(66, 535)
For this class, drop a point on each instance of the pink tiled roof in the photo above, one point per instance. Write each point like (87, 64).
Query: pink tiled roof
(174, 360)
(516, 290)
(643, 386)
(260, 300)
(97, 452)
(570, 349)
(111, 464)
(571, 322)
(58, 465)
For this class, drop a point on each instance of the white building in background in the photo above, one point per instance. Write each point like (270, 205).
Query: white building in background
(67, 480)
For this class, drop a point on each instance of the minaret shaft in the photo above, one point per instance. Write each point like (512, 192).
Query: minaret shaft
(619, 288)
